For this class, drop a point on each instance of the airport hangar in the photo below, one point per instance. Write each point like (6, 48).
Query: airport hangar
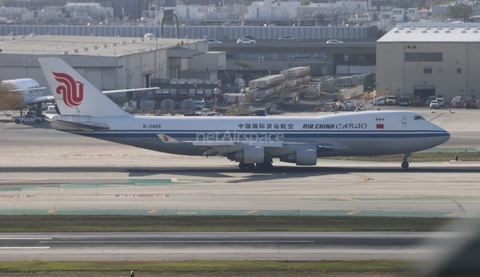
(111, 63)
(426, 59)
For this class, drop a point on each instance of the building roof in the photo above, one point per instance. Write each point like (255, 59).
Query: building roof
(181, 52)
(433, 32)
(81, 45)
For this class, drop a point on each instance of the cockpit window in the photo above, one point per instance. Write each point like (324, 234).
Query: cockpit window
(418, 117)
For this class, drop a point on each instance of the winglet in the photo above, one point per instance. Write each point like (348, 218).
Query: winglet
(74, 94)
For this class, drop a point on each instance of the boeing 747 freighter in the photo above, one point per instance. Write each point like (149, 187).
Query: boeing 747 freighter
(251, 141)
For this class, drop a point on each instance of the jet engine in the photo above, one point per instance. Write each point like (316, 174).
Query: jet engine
(248, 155)
(301, 157)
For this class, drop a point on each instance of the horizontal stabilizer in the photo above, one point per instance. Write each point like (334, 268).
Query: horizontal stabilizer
(85, 126)
(128, 89)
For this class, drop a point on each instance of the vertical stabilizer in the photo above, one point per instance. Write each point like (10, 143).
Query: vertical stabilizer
(73, 94)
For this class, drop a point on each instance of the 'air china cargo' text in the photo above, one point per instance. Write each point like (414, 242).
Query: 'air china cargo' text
(336, 126)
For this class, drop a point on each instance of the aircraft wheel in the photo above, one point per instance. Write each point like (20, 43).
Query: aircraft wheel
(242, 166)
(405, 165)
(250, 167)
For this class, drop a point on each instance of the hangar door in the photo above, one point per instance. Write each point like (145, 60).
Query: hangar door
(423, 92)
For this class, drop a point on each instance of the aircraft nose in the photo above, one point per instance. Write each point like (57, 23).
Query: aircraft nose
(443, 136)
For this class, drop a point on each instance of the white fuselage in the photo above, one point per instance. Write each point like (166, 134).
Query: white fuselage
(362, 133)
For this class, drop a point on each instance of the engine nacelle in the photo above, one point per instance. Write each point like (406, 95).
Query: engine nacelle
(248, 155)
(301, 157)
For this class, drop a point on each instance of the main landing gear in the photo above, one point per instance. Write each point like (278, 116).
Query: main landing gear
(259, 166)
(405, 163)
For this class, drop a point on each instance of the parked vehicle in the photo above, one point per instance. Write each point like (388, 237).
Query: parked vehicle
(214, 41)
(441, 102)
(434, 104)
(404, 101)
(470, 103)
(199, 104)
(379, 102)
(334, 41)
(246, 40)
(348, 105)
(391, 100)
(430, 99)
(288, 38)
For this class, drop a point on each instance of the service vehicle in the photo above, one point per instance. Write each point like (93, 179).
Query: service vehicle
(28, 118)
(441, 102)
(434, 104)
(457, 102)
(391, 100)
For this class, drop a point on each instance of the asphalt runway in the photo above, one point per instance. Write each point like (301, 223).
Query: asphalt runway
(304, 246)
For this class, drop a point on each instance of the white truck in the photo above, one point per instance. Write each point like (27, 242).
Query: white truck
(28, 118)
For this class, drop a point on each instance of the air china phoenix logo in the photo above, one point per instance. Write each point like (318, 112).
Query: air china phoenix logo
(71, 90)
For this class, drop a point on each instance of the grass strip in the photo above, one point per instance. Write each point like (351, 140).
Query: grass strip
(207, 266)
(196, 223)
(415, 157)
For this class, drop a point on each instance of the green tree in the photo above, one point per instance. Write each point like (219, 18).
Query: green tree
(243, 65)
(459, 11)
(368, 83)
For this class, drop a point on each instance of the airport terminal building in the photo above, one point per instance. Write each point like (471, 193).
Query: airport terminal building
(441, 59)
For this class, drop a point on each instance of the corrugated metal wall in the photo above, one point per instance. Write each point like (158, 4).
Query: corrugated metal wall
(215, 32)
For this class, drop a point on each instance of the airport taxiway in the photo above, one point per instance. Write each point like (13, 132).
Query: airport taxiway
(292, 246)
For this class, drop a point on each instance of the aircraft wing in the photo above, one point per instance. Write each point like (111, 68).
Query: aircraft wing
(128, 89)
(214, 144)
(227, 145)
(40, 99)
(22, 89)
